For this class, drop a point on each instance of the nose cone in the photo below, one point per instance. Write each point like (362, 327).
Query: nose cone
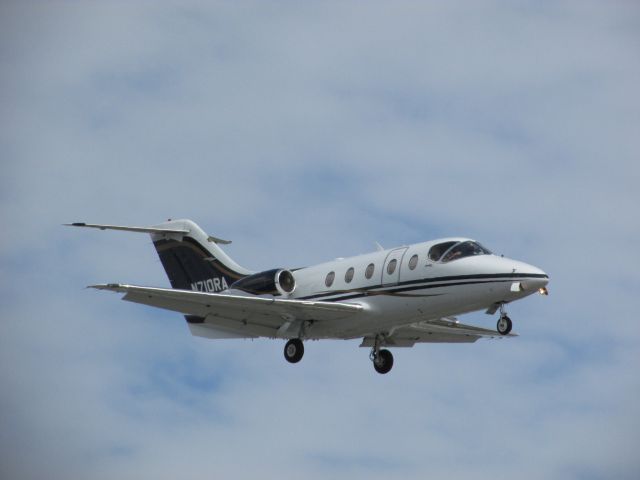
(534, 277)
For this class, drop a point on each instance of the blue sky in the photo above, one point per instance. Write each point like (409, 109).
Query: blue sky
(305, 132)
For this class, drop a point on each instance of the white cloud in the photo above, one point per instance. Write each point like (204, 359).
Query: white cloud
(328, 126)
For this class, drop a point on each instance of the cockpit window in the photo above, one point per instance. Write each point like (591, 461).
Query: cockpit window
(465, 249)
(438, 250)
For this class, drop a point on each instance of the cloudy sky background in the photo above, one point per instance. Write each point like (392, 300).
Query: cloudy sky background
(305, 131)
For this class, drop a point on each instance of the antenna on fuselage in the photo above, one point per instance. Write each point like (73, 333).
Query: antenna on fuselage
(379, 247)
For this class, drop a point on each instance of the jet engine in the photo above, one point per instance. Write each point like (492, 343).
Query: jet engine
(270, 282)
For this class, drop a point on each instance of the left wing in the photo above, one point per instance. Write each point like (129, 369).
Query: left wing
(443, 330)
(246, 316)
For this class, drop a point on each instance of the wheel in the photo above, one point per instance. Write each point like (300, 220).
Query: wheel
(294, 350)
(504, 325)
(383, 361)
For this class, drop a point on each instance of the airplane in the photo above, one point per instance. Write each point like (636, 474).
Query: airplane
(388, 298)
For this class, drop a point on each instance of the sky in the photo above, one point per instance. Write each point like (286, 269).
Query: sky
(306, 131)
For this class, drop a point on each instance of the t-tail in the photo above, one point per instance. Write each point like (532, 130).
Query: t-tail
(195, 261)
(192, 259)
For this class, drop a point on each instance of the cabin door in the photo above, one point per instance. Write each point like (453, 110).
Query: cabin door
(391, 270)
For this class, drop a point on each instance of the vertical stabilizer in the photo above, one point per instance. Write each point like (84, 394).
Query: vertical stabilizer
(194, 260)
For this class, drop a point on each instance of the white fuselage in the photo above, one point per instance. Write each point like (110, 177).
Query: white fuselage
(430, 290)
(389, 298)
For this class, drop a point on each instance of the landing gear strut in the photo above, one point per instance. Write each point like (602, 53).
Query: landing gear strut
(294, 350)
(504, 325)
(382, 359)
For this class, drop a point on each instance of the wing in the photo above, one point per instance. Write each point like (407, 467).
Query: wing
(444, 330)
(225, 315)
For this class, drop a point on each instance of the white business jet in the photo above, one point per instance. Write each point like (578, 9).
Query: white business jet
(388, 298)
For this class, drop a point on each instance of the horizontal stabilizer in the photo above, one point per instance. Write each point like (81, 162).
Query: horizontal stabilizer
(127, 229)
(220, 241)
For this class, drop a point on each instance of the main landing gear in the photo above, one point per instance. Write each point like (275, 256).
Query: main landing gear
(505, 324)
(294, 350)
(382, 359)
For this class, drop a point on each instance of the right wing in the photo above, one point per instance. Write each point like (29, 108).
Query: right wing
(443, 330)
(235, 315)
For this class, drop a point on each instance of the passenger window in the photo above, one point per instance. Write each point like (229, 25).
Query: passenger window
(349, 275)
(368, 273)
(413, 262)
(329, 280)
(391, 267)
(438, 250)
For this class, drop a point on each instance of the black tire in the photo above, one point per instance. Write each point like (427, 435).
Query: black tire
(294, 350)
(383, 362)
(504, 325)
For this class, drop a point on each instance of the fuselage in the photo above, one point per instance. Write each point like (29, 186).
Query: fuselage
(407, 284)
(389, 298)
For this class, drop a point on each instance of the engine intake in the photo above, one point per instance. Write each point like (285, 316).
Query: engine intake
(270, 282)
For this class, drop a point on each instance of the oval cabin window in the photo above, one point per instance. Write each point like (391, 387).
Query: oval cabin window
(413, 262)
(391, 267)
(368, 273)
(329, 280)
(349, 275)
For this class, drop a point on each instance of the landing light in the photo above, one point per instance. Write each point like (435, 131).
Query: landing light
(543, 291)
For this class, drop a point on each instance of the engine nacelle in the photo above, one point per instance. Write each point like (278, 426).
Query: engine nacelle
(270, 282)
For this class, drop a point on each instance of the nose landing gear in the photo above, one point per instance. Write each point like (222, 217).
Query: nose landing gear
(504, 324)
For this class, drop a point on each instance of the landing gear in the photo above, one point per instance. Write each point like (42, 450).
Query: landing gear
(382, 359)
(294, 350)
(504, 325)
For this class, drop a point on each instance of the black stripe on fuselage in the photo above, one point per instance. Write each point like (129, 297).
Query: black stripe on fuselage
(422, 284)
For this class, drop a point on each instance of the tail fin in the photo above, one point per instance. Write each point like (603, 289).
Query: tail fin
(191, 258)
(194, 261)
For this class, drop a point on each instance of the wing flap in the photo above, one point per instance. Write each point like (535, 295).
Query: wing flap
(207, 330)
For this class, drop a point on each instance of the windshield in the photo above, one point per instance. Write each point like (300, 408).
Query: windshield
(465, 249)
(438, 250)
